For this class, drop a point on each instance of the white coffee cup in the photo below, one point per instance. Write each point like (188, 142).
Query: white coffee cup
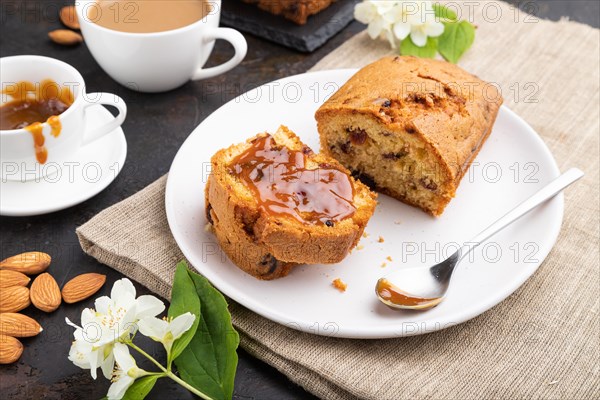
(160, 61)
(17, 151)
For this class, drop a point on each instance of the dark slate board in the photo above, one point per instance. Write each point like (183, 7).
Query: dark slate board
(319, 28)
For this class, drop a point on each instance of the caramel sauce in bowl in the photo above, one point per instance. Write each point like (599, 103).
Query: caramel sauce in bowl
(284, 186)
(42, 116)
(32, 105)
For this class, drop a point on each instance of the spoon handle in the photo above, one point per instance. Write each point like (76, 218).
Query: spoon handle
(545, 193)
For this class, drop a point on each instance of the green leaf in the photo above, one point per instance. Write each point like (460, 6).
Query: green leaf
(141, 388)
(408, 48)
(210, 361)
(443, 12)
(183, 299)
(456, 40)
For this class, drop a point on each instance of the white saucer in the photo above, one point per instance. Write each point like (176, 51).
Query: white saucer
(92, 169)
(305, 299)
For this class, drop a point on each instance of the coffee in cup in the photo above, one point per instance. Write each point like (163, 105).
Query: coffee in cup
(156, 45)
(144, 16)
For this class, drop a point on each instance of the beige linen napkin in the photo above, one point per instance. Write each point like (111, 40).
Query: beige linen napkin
(541, 342)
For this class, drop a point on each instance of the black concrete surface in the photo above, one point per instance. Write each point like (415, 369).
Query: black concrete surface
(155, 128)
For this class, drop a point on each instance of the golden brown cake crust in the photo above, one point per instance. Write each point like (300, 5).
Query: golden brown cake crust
(297, 11)
(265, 246)
(450, 110)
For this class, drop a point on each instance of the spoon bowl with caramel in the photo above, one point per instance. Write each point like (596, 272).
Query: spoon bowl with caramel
(425, 288)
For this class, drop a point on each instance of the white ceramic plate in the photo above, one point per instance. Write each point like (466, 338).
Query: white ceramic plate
(92, 169)
(512, 165)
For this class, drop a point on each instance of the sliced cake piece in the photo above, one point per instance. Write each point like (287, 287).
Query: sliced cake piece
(409, 127)
(273, 204)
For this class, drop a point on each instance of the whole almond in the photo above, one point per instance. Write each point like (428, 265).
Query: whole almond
(65, 37)
(18, 325)
(12, 278)
(82, 286)
(29, 263)
(68, 17)
(10, 349)
(14, 299)
(45, 293)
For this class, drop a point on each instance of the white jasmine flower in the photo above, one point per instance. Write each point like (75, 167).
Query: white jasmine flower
(396, 20)
(424, 24)
(124, 374)
(166, 331)
(375, 13)
(88, 351)
(114, 319)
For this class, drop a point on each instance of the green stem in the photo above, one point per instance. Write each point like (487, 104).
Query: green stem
(160, 374)
(188, 386)
(169, 373)
(148, 356)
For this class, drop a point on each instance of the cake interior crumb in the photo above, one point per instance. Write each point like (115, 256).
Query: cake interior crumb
(383, 265)
(339, 284)
(360, 247)
(389, 258)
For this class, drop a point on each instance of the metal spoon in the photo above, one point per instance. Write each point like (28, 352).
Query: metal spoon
(424, 288)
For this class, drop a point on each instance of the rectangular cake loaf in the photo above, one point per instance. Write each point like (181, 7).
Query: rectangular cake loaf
(409, 127)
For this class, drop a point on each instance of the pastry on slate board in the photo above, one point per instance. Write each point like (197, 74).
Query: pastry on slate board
(297, 11)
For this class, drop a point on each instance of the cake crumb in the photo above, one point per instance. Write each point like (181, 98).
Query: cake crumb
(383, 265)
(360, 247)
(208, 227)
(339, 284)
(365, 234)
(381, 239)
(389, 258)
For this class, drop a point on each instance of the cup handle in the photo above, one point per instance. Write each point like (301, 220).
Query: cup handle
(239, 44)
(108, 99)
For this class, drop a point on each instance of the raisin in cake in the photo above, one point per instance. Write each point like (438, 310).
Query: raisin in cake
(297, 11)
(273, 204)
(409, 127)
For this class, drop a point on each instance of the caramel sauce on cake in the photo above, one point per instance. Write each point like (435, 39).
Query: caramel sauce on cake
(284, 186)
